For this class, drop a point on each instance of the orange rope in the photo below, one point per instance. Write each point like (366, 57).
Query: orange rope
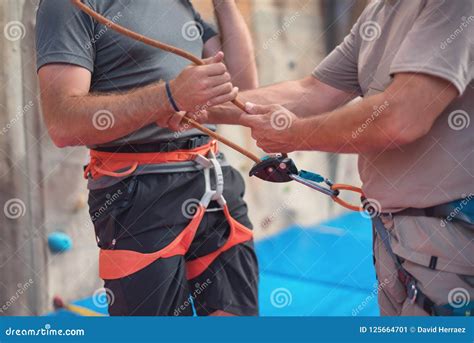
(157, 44)
(169, 48)
(343, 203)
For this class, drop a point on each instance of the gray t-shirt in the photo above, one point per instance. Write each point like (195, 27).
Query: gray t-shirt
(433, 37)
(117, 63)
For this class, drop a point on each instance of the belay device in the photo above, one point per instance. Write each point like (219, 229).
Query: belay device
(280, 168)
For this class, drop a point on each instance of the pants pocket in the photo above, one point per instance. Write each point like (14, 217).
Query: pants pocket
(108, 209)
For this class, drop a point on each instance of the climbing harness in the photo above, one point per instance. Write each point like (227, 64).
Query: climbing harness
(262, 166)
(116, 264)
(280, 168)
(413, 291)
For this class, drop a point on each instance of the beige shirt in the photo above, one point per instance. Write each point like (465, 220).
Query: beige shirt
(433, 37)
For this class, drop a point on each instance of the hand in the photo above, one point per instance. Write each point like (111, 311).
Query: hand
(273, 127)
(203, 86)
(172, 122)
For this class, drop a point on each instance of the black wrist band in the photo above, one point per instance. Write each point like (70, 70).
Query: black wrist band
(170, 97)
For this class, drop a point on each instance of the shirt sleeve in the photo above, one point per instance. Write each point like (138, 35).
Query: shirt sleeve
(64, 34)
(339, 68)
(207, 30)
(440, 43)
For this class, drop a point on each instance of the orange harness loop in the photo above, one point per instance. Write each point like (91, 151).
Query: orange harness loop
(117, 264)
(343, 203)
(124, 164)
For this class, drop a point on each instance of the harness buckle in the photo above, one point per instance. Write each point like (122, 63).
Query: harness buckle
(212, 194)
(412, 291)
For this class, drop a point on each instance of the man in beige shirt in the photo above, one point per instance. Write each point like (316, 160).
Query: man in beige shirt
(412, 62)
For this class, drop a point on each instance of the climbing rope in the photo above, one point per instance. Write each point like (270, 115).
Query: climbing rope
(287, 175)
(157, 44)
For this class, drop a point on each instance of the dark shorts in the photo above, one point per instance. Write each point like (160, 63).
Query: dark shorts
(145, 213)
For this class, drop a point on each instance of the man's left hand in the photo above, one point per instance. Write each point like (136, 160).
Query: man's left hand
(273, 127)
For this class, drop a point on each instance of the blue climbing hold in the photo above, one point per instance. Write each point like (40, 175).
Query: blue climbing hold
(59, 242)
(311, 176)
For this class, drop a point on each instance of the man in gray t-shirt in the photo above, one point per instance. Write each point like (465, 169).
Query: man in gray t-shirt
(412, 62)
(119, 97)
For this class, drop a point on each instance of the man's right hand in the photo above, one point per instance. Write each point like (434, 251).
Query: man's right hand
(200, 87)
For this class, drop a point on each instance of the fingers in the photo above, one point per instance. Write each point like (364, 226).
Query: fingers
(222, 89)
(260, 109)
(201, 116)
(217, 58)
(219, 80)
(221, 99)
(175, 121)
(214, 69)
(249, 121)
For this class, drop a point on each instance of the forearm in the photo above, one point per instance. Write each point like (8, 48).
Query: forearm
(364, 126)
(236, 44)
(306, 97)
(101, 118)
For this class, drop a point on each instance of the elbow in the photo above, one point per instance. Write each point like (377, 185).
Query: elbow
(404, 128)
(60, 137)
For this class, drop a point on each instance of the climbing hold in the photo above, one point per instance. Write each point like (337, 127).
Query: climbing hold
(59, 242)
(80, 203)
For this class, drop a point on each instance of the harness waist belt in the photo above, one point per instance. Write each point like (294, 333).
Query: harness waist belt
(124, 164)
(168, 146)
(459, 210)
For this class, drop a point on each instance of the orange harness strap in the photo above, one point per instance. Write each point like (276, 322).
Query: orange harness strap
(116, 264)
(109, 164)
(238, 234)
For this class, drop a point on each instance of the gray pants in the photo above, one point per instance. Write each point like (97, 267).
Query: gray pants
(416, 240)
